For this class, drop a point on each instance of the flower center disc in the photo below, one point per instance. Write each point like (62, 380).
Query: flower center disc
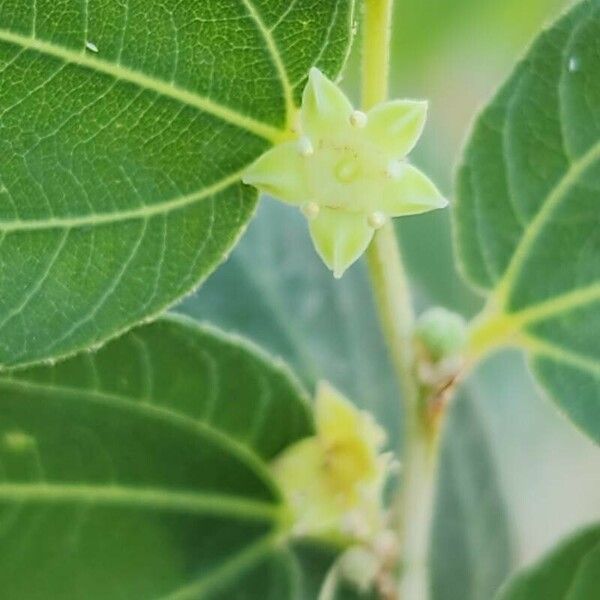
(347, 170)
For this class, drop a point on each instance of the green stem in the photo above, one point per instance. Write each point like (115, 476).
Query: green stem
(393, 299)
(377, 34)
(392, 294)
(419, 475)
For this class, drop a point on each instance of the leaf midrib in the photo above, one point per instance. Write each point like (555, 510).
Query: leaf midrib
(500, 325)
(558, 194)
(158, 499)
(243, 453)
(120, 72)
(142, 212)
(577, 165)
(275, 57)
(559, 304)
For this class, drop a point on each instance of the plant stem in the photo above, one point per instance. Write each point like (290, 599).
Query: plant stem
(392, 295)
(416, 507)
(377, 34)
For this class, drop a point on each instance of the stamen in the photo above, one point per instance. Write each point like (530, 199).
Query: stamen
(305, 147)
(376, 220)
(310, 210)
(358, 119)
(394, 169)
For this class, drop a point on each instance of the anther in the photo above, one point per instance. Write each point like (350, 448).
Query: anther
(305, 148)
(394, 169)
(358, 119)
(376, 220)
(310, 210)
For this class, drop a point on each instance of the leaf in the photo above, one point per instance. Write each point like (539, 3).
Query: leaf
(472, 549)
(328, 329)
(570, 572)
(141, 471)
(125, 127)
(528, 213)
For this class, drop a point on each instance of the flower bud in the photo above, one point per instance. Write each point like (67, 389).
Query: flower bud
(440, 334)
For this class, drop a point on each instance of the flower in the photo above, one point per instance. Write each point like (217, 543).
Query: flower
(334, 480)
(347, 171)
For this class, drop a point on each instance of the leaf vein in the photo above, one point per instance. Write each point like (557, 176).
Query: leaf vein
(175, 419)
(124, 73)
(275, 58)
(142, 212)
(183, 501)
(558, 195)
(561, 354)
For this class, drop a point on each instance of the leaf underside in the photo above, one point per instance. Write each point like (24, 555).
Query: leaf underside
(124, 126)
(141, 471)
(570, 572)
(472, 549)
(527, 220)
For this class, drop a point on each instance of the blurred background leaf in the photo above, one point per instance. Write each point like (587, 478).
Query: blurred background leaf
(571, 570)
(472, 542)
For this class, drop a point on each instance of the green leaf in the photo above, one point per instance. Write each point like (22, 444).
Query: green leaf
(328, 329)
(141, 471)
(569, 572)
(472, 549)
(528, 213)
(125, 127)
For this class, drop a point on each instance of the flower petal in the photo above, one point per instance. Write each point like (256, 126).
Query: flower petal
(396, 126)
(350, 436)
(339, 421)
(298, 471)
(325, 109)
(410, 192)
(280, 172)
(340, 237)
(333, 481)
(336, 418)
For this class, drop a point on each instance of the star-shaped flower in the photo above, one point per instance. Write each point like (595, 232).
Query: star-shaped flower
(334, 480)
(347, 171)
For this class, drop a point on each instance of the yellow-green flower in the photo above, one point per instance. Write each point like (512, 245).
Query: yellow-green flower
(347, 170)
(333, 481)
